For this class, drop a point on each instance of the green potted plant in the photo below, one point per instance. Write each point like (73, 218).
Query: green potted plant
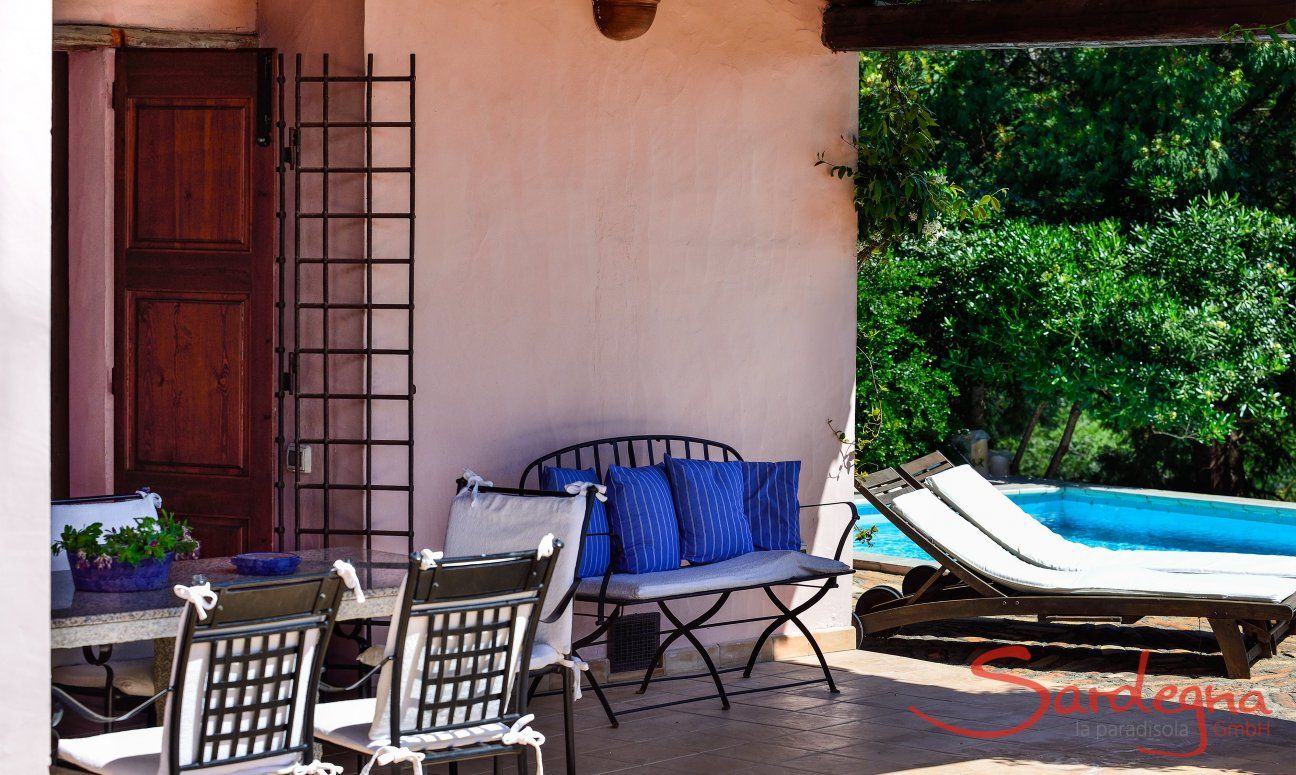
(125, 559)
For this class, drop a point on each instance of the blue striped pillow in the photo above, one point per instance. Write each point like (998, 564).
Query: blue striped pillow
(770, 499)
(642, 516)
(597, 548)
(709, 504)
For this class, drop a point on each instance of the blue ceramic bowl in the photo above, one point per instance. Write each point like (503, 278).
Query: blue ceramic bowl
(266, 563)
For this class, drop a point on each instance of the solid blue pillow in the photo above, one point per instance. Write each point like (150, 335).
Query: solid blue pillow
(598, 548)
(642, 516)
(709, 504)
(770, 499)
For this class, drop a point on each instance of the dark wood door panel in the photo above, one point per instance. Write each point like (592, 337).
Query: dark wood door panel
(191, 173)
(187, 360)
(194, 392)
(221, 536)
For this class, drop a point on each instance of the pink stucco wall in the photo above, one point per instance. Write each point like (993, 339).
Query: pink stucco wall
(24, 383)
(628, 237)
(205, 15)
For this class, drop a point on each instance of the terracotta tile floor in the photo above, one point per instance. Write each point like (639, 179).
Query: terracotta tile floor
(868, 728)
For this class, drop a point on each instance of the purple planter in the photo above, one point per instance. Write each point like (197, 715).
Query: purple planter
(122, 576)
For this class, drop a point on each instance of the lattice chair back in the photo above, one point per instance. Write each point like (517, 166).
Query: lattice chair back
(246, 674)
(109, 510)
(457, 648)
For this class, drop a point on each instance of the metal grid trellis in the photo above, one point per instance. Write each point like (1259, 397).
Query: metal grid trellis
(318, 149)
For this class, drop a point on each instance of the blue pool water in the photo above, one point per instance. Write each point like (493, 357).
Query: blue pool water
(1132, 519)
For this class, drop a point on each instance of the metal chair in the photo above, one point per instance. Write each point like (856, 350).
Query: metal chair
(480, 514)
(243, 686)
(450, 685)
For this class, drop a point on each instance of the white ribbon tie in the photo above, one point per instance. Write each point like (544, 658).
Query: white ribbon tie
(151, 497)
(347, 572)
(201, 596)
(428, 559)
(316, 767)
(546, 547)
(580, 488)
(475, 482)
(389, 754)
(521, 734)
(577, 666)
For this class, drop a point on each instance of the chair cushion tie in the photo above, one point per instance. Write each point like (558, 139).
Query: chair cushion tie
(347, 572)
(546, 547)
(522, 734)
(577, 666)
(316, 767)
(200, 595)
(475, 482)
(428, 559)
(580, 488)
(390, 754)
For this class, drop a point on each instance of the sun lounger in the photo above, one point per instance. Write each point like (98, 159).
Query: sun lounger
(1249, 615)
(1003, 520)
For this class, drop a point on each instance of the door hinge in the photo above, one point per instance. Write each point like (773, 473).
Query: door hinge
(112, 381)
(288, 378)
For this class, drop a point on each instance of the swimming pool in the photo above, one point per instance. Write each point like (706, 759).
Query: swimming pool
(1131, 519)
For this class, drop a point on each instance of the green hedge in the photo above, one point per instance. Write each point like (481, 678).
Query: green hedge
(1176, 334)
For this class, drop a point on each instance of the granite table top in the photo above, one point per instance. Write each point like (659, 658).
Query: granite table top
(98, 618)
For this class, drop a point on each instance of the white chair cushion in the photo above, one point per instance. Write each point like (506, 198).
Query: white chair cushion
(490, 522)
(347, 724)
(139, 752)
(969, 545)
(747, 570)
(132, 677)
(133, 752)
(543, 655)
(995, 513)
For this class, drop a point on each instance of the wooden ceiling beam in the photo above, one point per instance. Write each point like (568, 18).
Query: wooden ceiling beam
(851, 25)
(72, 37)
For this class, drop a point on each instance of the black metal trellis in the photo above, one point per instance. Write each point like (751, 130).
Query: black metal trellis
(310, 151)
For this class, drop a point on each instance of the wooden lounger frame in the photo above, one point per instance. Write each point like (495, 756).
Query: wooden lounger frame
(1246, 631)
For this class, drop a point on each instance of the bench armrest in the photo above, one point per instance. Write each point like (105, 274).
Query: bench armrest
(850, 524)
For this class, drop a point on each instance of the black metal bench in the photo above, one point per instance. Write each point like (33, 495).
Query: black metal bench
(613, 593)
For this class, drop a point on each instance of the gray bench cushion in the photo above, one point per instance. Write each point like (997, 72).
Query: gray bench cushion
(748, 570)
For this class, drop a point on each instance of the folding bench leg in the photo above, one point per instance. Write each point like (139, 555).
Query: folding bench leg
(794, 616)
(602, 698)
(674, 636)
(687, 631)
